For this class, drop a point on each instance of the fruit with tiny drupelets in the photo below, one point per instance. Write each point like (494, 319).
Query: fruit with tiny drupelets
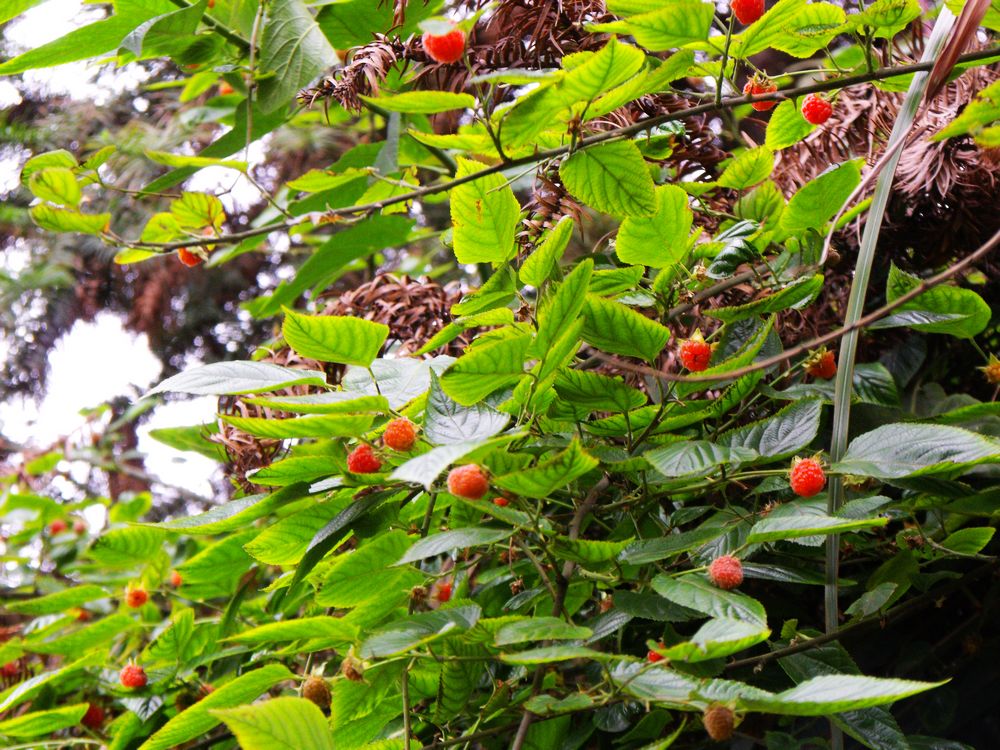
(136, 597)
(695, 353)
(362, 460)
(315, 689)
(188, 258)
(758, 86)
(807, 477)
(821, 364)
(816, 110)
(468, 481)
(132, 676)
(94, 717)
(719, 722)
(400, 435)
(726, 572)
(445, 48)
(747, 11)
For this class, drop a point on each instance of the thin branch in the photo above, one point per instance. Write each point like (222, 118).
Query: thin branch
(552, 153)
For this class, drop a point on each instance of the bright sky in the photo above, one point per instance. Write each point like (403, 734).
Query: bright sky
(99, 360)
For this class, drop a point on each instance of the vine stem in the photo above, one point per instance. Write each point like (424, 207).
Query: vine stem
(540, 156)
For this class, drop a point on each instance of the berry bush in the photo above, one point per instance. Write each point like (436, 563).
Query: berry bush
(657, 451)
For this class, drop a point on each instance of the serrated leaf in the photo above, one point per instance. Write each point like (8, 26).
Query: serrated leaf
(695, 592)
(334, 338)
(611, 177)
(484, 216)
(59, 601)
(542, 480)
(324, 425)
(294, 49)
(406, 635)
(944, 309)
(749, 168)
(787, 432)
(39, 723)
(538, 266)
(446, 541)
(661, 239)
(787, 126)
(57, 219)
(486, 368)
(446, 422)
(613, 327)
(793, 526)
(234, 378)
(903, 450)
(796, 295)
(694, 458)
(816, 202)
(423, 102)
(680, 23)
(285, 721)
(57, 185)
(717, 638)
(323, 626)
(540, 629)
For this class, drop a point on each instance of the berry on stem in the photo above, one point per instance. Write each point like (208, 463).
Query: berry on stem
(132, 676)
(816, 110)
(501, 502)
(136, 597)
(316, 690)
(176, 579)
(807, 477)
(652, 657)
(445, 48)
(442, 591)
(726, 572)
(991, 370)
(821, 364)
(79, 527)
(758, 86)
(225, 88)
(94, 717)
(57, 527)
(719, 722)
(400, 435)
(362, 460)
(468, 481)
(747, 11)
(188, 258)
(695, 353)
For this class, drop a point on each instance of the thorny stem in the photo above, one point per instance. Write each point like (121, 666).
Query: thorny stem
(540, 156)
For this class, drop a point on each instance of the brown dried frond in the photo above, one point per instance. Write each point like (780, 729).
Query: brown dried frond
(363, 75)
(549, 203)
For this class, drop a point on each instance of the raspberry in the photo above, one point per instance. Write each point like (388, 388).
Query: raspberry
(445, 48)
(136, 598)
(352, 668)
(652, 657)
(188, 258)
(79, 527)
(82, 615)
(756, 88)
(822, 364)
(442, 591)
(695, 353)
(747, 11)
(132, 676)
(362, 460)
(807, 477)
(400, 435)
(57, 527)
(94, 717)
(11, 669)
(726, 572)
(225, 88)
(991, 370)
(468, 481)
(501, 502)
(718, 722)
(816, 110)
(316, 690)
(176, 579)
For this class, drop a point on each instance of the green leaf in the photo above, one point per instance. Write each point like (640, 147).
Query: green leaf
(60, 601)
(968, 541)
(695, 458)
(904, 450)
(787, 126)
(661, 239)
(786, 433)
(197, 720)
(423, 102)
(406, 635)
(13, 8)
(285, 721)
(302, 628)
(818, 201)
(587, 551)
(164, 34)
(98, 634)
(447, 422)
(427, 467)
(196, 211)
(886, 18)
(959, 312)
(596, 392)
(58, 158)
(328, 402)
(446, 541)
(611, 177)
(557, 312)
(554, 654)
(292, 48)
(56, 185)
(233, 515)
(486, 368)
(810, 29)
(367, 572)
(833, 694)
(26, 690)
(194, 438)
(717, 638)
(540, 629)
(680, 23)
(976, 119)
(126, 547)
(484, 216)
(793, 525)
(234, 378)
(285, 542)
(198, 162)
(749, 168)
(38, 723)
(334, 338)
(767, 30)
(695, 592)
(539, 265)
(325, 425)
(542, 480)
(613, 327)
(795, 296)
(68, 220)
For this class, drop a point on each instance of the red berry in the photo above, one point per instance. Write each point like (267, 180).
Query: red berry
(445, 48)
(756, 88)
(816, 110)
(94, 717)
(468, 481)
(175, 579)
(747, 11)
(719, 722)
(79, 527)
(726, 572)
(442, 591)
(501, 502)
(11, 669)
(822, 365)
(400, 434)
(188, 258)
(225, 88)
(132, 676)
(136, 597)
(695, 353)
(652, 657)
(82, 615)
(807, 477)
(362, 460)
(57, 527)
